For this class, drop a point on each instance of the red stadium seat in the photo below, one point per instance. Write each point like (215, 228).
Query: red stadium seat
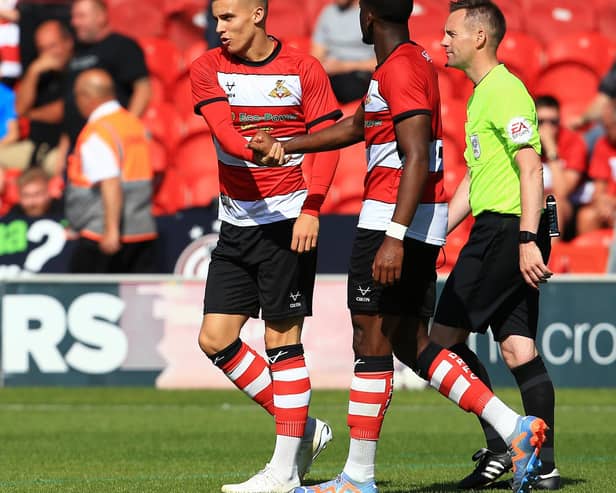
(514, 15)
(196, 162)
(171, 195)
(288, 20)
(568, 82)
(163, 59)
(10, 192)
(193, 52)
(584, 48)
(548, 19)
(574, 259)
(428, 17)
(607, 20)
(303, 43)
(137, 19)
(522, 55)
(600, 237)
(181, 95)
(165, 127)
(313, 10)
(347, 189)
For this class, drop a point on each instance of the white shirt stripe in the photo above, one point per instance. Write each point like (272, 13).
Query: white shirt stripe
(458, 389)
(364, 409)
(292, 401)
(264, 211)
(429, 223)
(368, 385)
(440, 373)
(239, 370)
(261, 90)
(291, 375)
(259, 383)
(385, 155)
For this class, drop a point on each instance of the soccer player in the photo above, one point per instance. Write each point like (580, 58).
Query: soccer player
(495, 280)
(265, 259)
(402, 224)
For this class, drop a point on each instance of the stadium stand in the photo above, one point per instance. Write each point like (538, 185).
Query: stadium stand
(548, 19)
(523, 56)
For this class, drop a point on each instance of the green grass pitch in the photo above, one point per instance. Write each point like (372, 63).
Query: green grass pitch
(143, 440)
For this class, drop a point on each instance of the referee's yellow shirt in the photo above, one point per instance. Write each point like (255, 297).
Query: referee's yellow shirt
(501, 120)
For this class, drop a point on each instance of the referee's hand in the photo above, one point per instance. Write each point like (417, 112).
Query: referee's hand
(532, 267)
(387, 265)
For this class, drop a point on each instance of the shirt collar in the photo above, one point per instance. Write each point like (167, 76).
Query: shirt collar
(104, 109)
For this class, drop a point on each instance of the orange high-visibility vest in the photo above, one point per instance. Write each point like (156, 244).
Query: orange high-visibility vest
(126, 137)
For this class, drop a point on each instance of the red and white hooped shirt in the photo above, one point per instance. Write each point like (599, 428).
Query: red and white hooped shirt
(405, 84)
(288, 94)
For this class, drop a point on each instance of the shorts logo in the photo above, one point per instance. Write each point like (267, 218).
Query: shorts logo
(294, 297)
(363, 292)
(280, 91)
(475, 145)
(520, 130)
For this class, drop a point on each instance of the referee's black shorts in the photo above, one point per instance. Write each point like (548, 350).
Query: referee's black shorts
(253, 268)
(486, 288)
(413, 295)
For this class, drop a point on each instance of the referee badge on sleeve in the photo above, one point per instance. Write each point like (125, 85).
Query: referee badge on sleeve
(475, 146)
(520, 130)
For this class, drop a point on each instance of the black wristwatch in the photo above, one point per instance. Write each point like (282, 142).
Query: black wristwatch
(527, 237)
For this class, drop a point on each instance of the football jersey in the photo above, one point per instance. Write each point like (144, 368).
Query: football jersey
(603, 164)
(286, 95)
(405, 84)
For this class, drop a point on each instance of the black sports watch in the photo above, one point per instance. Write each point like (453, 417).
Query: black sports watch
(527, 237)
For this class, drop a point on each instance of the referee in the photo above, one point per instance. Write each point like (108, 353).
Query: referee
(496, 278)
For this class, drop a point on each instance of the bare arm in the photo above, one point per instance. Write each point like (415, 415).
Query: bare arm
(12, 133)
(111, 192)
(459, 205)
(413, 135)
(10, 15)
(48, 113)
(142, 93)
(592, 112)
(343, 134)
(531, 191)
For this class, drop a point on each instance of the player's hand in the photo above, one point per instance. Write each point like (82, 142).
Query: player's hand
(532, 267)
(267, 150)
(110, 242)
(305, 233)
(387, 265)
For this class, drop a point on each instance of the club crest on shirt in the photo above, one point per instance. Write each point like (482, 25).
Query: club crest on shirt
(280, 91)
(475, 146)
(520, 130)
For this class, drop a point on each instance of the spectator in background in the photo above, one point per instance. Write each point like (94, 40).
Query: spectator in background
(29, 14)
(40, 99)
(594, 111)
(99, 47)
(564, 159)
(34, 198)
(108, 201)
(10, 67)
(9, 129)
(602, 170)
(337, 44)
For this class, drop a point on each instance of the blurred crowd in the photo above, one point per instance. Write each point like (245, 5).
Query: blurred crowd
(146, 48)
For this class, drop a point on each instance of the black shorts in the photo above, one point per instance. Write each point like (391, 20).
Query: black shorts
(253, 268)
(486, 288)
(413, 295)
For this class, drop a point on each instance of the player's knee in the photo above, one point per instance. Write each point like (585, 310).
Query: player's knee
(209, 344)
(447, 336)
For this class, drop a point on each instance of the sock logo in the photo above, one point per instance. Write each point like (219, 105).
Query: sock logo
(462, 364)
(275, 357)
(358, 362)
(218, 359)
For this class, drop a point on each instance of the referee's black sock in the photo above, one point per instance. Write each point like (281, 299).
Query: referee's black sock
(493, 440)
(538, 398)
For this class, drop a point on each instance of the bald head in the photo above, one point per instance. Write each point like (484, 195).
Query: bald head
(93, 88)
